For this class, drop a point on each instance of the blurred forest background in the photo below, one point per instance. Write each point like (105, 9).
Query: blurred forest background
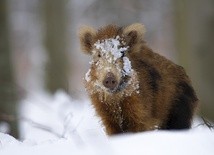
(39, 46)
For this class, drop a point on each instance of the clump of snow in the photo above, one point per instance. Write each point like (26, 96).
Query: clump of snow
(91, 62)
(136, 88)
(111, 46)
(127, 68)
(138, 92)
(88, 76)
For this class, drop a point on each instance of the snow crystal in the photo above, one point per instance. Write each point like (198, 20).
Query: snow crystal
(111, 46)
(91, 62)
(87, 75)
(127, 68)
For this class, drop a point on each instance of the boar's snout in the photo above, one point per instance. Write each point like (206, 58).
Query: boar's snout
(110, 81)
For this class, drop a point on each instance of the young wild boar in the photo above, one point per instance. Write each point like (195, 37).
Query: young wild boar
(131, 87)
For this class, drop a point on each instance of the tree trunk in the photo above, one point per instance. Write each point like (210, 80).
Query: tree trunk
(8, 99)
(204, 49)
(194, 22)
(57, 67)
(181, 33)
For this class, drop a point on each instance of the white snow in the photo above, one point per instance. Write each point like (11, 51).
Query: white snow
(88, 76)
(127, 68)
(111, 49)
(52, 117)
(7, 140)
(149, 143)
(110, 46)
(73, 128)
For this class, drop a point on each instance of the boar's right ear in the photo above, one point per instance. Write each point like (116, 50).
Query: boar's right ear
(134, 33)
(86, 36)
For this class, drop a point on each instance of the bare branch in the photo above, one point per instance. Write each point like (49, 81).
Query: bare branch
(205, 122)
(11, 118)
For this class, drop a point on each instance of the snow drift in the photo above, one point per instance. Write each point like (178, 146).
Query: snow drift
(54, 125)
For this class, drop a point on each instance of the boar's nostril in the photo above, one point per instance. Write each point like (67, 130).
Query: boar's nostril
(110, 81)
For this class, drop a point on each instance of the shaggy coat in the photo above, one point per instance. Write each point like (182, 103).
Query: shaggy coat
(165, 98)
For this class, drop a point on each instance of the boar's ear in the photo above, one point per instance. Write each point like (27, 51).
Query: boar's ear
(87, 36)
(133, 34)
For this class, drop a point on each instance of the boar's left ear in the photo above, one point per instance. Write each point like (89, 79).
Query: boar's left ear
(133, 34)
(86, 36)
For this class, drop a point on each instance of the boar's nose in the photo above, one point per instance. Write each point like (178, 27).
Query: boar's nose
(110, 81)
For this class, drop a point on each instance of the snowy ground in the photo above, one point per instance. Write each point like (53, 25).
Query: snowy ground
(60, 125)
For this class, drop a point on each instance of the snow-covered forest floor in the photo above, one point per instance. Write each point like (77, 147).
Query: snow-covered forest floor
(60, 125)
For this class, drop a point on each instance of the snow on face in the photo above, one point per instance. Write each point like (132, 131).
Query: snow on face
(106, 54)
(111, 47)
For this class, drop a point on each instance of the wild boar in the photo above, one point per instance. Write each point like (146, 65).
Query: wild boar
(132, 88)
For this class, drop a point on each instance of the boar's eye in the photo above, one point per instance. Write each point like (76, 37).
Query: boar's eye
(96, 54)
(123, 54)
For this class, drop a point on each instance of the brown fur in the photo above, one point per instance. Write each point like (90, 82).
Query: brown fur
(166, 99)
